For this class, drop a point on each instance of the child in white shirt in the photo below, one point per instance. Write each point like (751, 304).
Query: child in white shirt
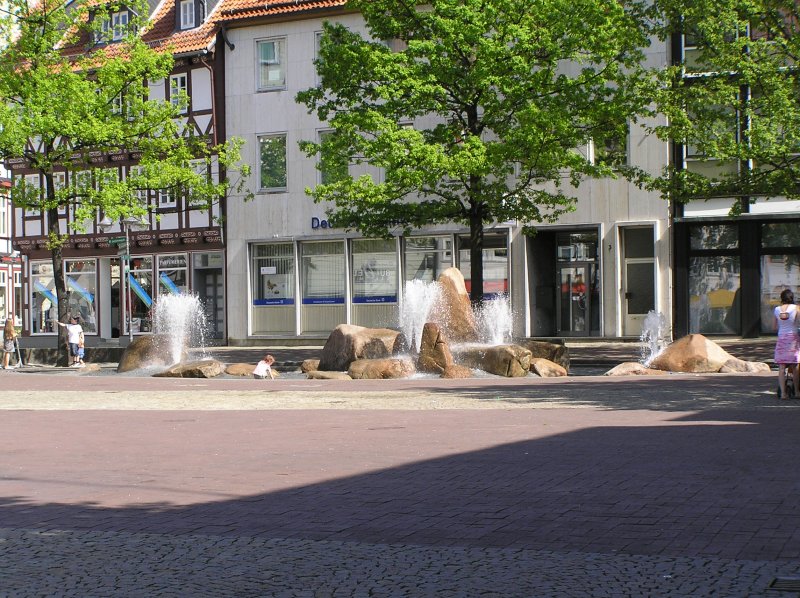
(264, 368)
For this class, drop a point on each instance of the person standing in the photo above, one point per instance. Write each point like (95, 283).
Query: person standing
(787, 347)
(74, 335)
(9, 339)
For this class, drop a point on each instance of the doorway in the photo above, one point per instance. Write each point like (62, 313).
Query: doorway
(638, 277)
(577, 299)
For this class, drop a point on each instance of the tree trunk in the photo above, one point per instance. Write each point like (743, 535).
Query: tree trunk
(62, 358)
(476, 256)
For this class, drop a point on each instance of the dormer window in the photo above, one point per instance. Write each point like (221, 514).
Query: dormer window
(187, 13)
(113, 27)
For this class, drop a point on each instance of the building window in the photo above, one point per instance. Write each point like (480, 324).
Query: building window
(81, 279)
(612, 151)
(178, 92)
(140, 292)
(273, 274)
(172, 274)
(427, 257)
(3, 215)
(3, 301)
(323, 268)
(166, 199)
(44, 304)
(119, 22)
(374, 271)
(272, 162)
(187, 14)
(331, 168)
(780, 267)
(18, 298)
(271, 64)
(140, 193)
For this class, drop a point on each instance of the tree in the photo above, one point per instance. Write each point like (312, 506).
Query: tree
(501, 94)
(731, 100)
(61, 103)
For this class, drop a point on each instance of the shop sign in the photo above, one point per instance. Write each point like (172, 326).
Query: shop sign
(317, 223)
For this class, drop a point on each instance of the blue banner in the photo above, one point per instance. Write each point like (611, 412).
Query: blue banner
(73, 284)
(140, 292)
(167, 282)
(46, 292)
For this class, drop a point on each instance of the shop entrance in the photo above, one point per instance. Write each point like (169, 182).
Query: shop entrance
(576, 296)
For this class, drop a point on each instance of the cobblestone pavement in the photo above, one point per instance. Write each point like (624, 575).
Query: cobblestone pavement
(662, 486)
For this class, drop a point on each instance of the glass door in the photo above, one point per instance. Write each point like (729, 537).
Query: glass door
(573, 302)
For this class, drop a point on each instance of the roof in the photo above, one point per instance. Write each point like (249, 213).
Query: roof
(235, 10)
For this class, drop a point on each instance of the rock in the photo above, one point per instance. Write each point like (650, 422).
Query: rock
(546, 368)
(206, 368)
(456, 371)
(633, 368)
(320, 375)
(453, 312)
(309, 365)
(347, 343)
(735, 365)
(89, 367)
(434, 352)
(511, 361)
(551, 351)
(381, 369)
(693, 353)
(240, 369)
(146, 351)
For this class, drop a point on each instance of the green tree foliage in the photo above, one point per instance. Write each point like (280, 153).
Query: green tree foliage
(732, 99)
(64, 98)
(500, 93)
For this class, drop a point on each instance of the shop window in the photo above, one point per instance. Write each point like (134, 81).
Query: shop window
(714, 294)
(81, 280)
(495, 264)
(780, 234)
(140, 293)
(44, 303)
(778, 272)
(273, 274)
(714, 236)
(427, 257)
(374, 271)
(172, 274)
(323, 268)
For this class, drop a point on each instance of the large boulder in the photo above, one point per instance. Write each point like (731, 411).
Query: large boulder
(511, 361)
(735, 365)
(456, 371)
(453, 311)
(546, 368)
(693, 353)
(206, 368)
(554, 352)
(320, 375)
(309, 365)
(347, 343)
(381, 369)
(434, 352)
(147, 351)
(244, 370)
(633, 368)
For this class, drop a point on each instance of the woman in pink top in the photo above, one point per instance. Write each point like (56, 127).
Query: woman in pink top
(787, 349)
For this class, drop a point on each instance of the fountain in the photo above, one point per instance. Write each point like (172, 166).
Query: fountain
(655, 336)
(180, 321)
(495, 320)
(419, 300)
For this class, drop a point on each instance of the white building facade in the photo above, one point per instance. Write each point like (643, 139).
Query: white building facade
(596, 273)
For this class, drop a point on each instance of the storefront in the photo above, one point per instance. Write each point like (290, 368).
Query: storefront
(356, 281)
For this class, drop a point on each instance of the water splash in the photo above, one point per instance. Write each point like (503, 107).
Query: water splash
(655, 336)
(181, 320)
(495, 320)
(419, 299)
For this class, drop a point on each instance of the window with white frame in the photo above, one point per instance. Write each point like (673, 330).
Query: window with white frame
(178, 91)
(272, 167)
(187, 14)
(166, 198)
(33, 191)
(119, 23)
(140, 193)
(3, 215)
(17, 298)
(271, 64)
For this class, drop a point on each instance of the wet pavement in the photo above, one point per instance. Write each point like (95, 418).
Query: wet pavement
(678, 485)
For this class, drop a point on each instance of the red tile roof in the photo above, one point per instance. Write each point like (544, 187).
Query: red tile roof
(234, 10)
